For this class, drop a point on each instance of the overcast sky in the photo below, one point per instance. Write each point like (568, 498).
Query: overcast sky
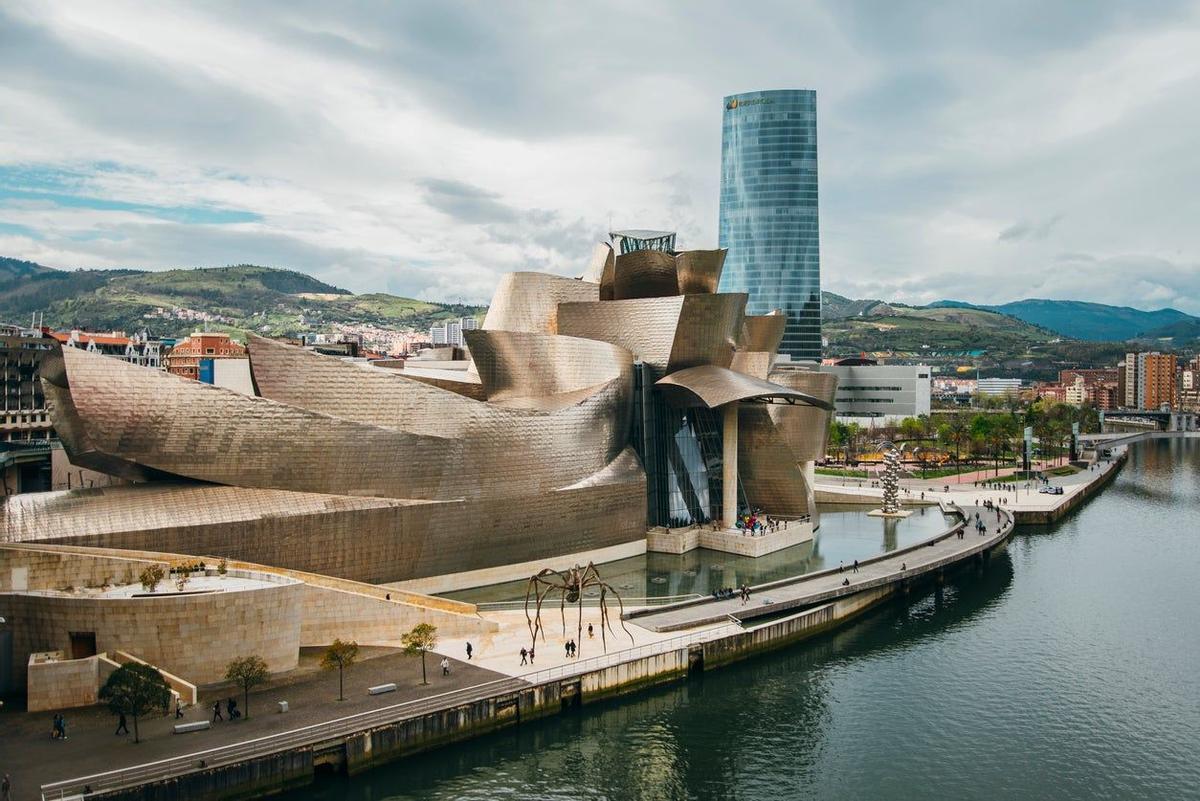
(987, 151)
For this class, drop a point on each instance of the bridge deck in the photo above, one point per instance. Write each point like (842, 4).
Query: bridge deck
(815, 588)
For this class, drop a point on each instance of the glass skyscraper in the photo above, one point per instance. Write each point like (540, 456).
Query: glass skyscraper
(769, 210)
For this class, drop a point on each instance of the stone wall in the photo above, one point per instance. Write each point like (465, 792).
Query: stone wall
(24, 569)
(193, 636)
(61, 683)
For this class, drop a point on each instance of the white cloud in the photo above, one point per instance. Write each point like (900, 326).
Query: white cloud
(425, 148)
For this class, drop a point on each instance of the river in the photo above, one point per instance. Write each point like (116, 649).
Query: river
(1069, 668)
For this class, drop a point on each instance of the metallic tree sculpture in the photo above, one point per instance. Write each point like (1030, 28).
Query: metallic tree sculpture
(890, 481)
(571, 585)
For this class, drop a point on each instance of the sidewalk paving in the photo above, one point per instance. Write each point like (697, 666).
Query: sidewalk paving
(31, 758)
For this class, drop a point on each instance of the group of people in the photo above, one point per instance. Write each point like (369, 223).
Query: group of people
(58, 729)
(725, 593)
(571, 648)
(757, 524)
(230, 709)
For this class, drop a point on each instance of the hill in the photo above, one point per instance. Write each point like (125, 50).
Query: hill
(176, 302)
(933, 330)
(1096, 322)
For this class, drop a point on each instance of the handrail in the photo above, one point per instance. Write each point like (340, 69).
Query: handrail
(590, 601)
(339, 727)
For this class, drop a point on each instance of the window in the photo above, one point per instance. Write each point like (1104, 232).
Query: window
(210, 351)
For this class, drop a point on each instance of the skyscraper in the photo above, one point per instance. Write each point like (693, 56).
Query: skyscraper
(768, 217)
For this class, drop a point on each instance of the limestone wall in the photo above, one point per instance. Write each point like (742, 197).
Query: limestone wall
(328, 614)
(61, 684)
(30, 569)
(193, 636)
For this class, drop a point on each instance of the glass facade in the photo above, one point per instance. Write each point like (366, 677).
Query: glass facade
(681, 451)
(768, 217)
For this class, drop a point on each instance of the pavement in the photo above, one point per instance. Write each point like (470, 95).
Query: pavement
(500, 651)
(31, 758)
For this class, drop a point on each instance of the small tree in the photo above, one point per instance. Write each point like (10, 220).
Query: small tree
(135, 689)
(421, 640)
(247, 671)
(223, 566)
(339, 656)
(151, 577)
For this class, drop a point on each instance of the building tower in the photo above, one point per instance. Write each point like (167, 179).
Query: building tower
(768, 217)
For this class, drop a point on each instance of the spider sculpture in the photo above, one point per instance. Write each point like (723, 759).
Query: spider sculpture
(571, 585)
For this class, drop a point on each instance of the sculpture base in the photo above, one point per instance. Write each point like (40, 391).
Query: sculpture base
(898, 515)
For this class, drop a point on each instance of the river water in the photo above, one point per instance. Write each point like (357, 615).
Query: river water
(1069, 668)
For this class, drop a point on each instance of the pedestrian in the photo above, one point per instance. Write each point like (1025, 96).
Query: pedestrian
(531, 656)
(445, 666)
(524, 657)
(855, 565)
(904, 565)
(62, 727)
(231, 709)
(6, 789)
(178, 709)
(590, 631)
(469, 650)
(841, 567)
(567, 648)
(845, 582)
(122, 727)
(217, 711)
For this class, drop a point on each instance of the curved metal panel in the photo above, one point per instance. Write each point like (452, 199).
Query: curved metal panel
(600, 264)
(768, 470)
(707, 330)
(519, 364)
(699, 271)
(540, 444)
(763, 332)
(714, 386)
(753, 363)
(805, 428)
(529, 301)
(644, 274)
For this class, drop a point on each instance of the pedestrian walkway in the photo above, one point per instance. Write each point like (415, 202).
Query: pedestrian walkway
(33, 759)
(815, 588)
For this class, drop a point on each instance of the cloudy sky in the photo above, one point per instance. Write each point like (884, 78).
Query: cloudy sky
(984, 151)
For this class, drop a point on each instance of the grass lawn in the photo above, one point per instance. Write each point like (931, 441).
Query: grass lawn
(1065, 470)
(831, 471)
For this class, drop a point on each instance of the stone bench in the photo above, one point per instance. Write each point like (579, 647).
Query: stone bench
(380, 689)
(199, 725)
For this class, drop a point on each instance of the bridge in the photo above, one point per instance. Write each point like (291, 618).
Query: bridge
(959, 543)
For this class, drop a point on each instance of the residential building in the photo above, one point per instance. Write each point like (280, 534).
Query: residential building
(451, 332)
(999, 386)
(1150, 381)
(23, 413)
(185, 359)
(768, 211)
(879, 393)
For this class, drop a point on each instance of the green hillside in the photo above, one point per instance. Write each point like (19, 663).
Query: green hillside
(177, 302)
(916, 330)
(1097, 322)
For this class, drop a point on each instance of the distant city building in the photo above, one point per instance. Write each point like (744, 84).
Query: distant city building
(24, 415)
(1150, 381)
(451, 332)
(768, 212)
(883, 392)
(193, 357)
(954, 390)
(999, 386)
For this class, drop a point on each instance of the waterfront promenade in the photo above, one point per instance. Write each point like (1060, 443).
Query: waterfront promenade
(665, 638)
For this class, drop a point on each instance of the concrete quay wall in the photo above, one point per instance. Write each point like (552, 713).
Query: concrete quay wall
(1044, 517)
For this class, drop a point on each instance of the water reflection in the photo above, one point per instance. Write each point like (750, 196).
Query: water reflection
(847, 533)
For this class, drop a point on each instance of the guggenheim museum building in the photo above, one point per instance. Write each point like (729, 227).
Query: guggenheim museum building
(595, 408)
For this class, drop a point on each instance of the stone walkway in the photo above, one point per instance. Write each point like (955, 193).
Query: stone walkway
(29, 755)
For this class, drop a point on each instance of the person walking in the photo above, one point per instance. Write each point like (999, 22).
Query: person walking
(178, 709)
(469, 650)
(531, 656)
(122, 727)
(217, 711)
(524, 657)
(445, 666)
(855, 565)
(590, 635)
(6, 788)
(61, 723)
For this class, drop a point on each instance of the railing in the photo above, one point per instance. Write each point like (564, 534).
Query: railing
(350, 724)
(590, 601)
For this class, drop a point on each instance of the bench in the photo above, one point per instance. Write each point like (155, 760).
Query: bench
(380, 689)
(199, 725)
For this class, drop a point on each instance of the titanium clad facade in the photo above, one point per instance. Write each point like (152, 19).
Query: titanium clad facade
(768, 217)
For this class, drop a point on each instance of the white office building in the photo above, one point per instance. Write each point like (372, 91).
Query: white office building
(880, 394)
(999, 386)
